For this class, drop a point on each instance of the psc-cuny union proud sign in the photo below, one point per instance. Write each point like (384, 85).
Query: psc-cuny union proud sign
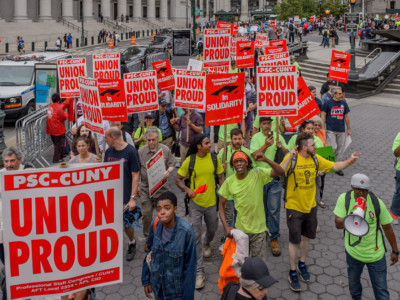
(217, 47)
(190, 89)
(63, 230)
(106, 66)
(69, 71)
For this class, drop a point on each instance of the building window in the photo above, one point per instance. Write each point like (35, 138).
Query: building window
(392, 4)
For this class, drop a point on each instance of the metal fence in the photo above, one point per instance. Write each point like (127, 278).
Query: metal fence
(155, 57)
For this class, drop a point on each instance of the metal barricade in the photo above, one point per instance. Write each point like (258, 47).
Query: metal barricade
(134, 67)
(155, 57)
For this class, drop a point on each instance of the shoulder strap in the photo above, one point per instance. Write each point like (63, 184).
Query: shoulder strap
(377, 208)
(155, 223)
(192, 162)
(316, 162)
(347, 201)
(291, 170)
(214, 158)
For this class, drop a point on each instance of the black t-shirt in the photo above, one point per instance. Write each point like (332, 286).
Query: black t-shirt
(325, 87)
(131, 164)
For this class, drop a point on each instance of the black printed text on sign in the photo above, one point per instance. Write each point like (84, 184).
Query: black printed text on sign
(91, 107)
(277, 91)
(106, 66)
(279, 59)
(69, 71)
(190, 89)
(141, 91)
(217, 46)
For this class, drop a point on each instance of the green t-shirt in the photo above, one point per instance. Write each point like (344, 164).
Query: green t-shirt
(229, 170)
(292, 142)
(256, 143)
(204, 174)
(248, 198)
(297, 65)
(365, 251)
(256, 123)
(396, 143)
(138, 135)
(229, 127)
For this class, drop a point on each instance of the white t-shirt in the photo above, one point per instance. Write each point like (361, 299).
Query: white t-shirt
(100, 138)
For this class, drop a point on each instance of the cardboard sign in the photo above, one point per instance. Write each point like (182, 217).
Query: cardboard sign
(278, 43)
(296, 20)
(190, 89)
(155, 172)
(91, 108)
(106, 66)
(340, 64)
(226, 25)
(273, 50)
(307, 107)
(217, 47)
(280, 59)
(261, 41)
(112, 100)
(141, 91)
(245, 54)
(327, 153)
(69, 71)
(277, 91)
(165, 77)
(224, 101)
(63, 230)
(194, 65)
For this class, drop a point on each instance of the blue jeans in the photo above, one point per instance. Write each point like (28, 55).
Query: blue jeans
(206, 129)
(377, 274)
(291, 37)
(326, 42)
(395, 207)
(272, 207)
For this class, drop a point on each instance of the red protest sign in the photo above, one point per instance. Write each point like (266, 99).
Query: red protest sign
(219, 70)
(63, 231)
(165, 77)
(279, 59)
(340, 64)
(224, 101)
(312, 19)
(235, 29)
(233, 46)
(106, 66)
(278, 43)
(307, 107)
(112, 100)
(273, 50)
(226, 25)
(217, 47)
(245, 54)
(91, 108)
(69, 71)
(190, 89)
(261, 40)
(277, 91)
(141, 91)
(272, 23)
(396, 18)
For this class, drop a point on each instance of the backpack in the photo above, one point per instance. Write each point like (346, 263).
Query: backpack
(187, 181)
(377, 208)
(291, 27)
(291, 171)
(230, 291)
(200, 45)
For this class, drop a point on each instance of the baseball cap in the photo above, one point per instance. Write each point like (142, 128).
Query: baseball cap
(162, 102)
(360, 181)
(149, 114)
(263, 118)
(332, 82)
(254, 268)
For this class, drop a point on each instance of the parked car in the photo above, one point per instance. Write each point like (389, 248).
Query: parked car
(161, 41)
(137, 55)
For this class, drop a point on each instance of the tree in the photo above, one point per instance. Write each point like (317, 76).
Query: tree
(290, 8)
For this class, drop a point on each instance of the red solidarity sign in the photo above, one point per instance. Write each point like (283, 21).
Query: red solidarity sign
(91, 108)
(165, 77)
(141, 91)
(112, 100)
(225, 98)
(245, 55)
(217, 47)
(277, 91)
(278, 43)
(273, 50)
(69, 71)
(190, 89)
(307, 107)
(280, 59)
(106, 66)
(272, 23)
(340, 63)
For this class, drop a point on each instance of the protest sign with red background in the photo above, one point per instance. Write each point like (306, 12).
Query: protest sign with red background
(106, 66)
(233, 46)
(190, 89)
(273, 50)
(165, 77)
(312, 19)
(261, 40)
(340, 64)
(141, 91)
(280, 59)
(226, 25)
(307, 107)
(63, 230)
(217, 47)
(225, 99)
(91, 109)
(219, 70)
(69, 71)
(245, 54)
(112, 100)
(272, 23)
(278, 43)
(277, 91)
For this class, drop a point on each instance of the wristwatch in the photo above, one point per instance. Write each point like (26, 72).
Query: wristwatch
(133, 197)
(395, 252)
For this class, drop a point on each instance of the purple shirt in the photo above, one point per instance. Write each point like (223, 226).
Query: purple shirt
(197, 121)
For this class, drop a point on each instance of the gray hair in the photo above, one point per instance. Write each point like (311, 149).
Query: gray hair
(152, 130)
(248, 284)
(316, 119)
(114, 132)
(335, 89)
(12, 150)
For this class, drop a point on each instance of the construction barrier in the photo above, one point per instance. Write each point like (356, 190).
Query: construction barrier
(152, 36)
(110, 43)
(133, 40)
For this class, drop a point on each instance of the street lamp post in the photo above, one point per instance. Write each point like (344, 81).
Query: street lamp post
(353, 74)
(83, 34)
(196, 51)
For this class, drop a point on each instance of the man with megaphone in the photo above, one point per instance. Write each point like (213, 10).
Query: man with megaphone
(361, 213)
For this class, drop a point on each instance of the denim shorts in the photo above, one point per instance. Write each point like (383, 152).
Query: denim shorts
(301, 224)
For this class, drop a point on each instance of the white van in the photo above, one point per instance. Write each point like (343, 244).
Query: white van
(17, 81)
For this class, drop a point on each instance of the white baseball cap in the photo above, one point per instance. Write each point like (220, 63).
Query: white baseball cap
(360, 181)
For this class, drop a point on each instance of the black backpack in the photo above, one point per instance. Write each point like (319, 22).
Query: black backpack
(291, 27)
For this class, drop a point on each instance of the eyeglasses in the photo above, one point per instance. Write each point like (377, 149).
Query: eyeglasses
(308, 122)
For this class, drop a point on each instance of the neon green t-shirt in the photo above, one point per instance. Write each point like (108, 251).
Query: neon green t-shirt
(365, 251)
(256, 123)
(258, 141)
(204, 174)
(248, 198)
(396, 143)
(229, 127)
(292, 142)
(229, 152)
(138, 135)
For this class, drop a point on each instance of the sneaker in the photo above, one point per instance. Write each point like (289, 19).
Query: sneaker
(275, 248)
(206, 251)
(304, 275)
(340, 173)
(200, 281)
(294, 282)
(131, 252)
